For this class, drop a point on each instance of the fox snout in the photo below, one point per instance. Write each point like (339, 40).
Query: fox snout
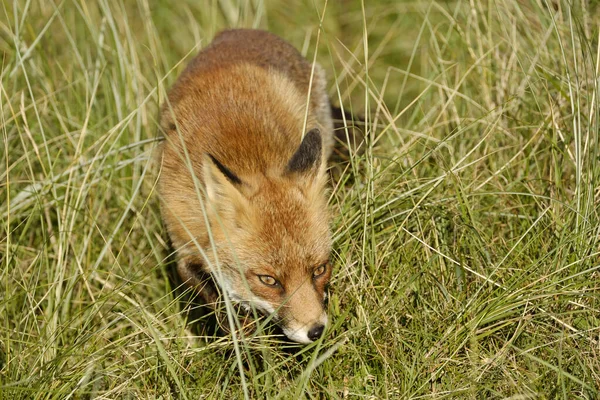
(305, 319)
(306, 333)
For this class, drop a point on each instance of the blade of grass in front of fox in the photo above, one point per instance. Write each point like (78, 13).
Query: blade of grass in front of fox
(233, 323)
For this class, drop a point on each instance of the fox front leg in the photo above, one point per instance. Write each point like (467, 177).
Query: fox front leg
(207, 294)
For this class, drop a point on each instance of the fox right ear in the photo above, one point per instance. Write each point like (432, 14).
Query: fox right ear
(307, 159)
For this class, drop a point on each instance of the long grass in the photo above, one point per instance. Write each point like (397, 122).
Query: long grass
(467, 256)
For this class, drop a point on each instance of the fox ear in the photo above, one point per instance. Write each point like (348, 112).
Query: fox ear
(307, 160)
(223, 187)
(231, 177)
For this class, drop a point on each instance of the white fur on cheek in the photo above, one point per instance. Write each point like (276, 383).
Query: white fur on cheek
(227, 287)
(256, 302)
(262, 305)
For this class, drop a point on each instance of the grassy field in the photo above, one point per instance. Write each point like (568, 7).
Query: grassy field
(466, 255)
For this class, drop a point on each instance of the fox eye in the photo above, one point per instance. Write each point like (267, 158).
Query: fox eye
(320, 270)
(268, 280)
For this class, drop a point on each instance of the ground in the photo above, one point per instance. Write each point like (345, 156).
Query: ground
(466, 255)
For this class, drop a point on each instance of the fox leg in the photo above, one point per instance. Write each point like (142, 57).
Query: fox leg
(207, 312)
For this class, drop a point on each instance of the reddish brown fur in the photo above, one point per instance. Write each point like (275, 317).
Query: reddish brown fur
(243, 101)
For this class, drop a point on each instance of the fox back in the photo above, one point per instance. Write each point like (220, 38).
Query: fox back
(248, 131)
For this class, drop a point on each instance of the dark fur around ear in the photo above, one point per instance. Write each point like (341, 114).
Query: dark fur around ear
(231, 177)
(308, 155)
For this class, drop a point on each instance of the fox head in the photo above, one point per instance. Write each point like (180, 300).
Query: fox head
(272, 239)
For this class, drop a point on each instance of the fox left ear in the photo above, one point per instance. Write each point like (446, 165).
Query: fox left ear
(307, 160)
(224, 189)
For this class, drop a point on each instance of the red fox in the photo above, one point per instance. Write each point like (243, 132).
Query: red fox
(248, 131)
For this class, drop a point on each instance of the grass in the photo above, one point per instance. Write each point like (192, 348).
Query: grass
(467, 257)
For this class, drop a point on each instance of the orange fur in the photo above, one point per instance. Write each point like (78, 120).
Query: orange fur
(242, 194)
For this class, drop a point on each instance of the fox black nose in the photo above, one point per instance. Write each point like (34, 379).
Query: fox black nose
(315, 332)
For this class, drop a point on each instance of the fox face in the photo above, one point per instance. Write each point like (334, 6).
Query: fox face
(272, 238)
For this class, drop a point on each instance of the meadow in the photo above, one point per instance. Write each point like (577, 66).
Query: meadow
(466, 229)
